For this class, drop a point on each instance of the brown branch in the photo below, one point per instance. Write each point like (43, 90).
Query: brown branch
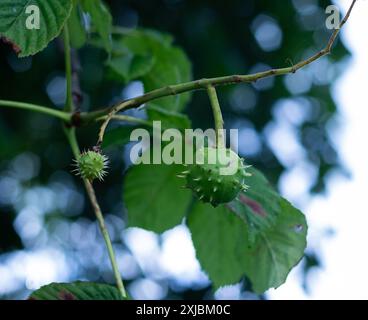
(204, 83)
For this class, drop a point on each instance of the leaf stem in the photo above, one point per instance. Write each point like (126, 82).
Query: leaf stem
(70, 133)
(217, 114)
(68, 71)
(37, 108)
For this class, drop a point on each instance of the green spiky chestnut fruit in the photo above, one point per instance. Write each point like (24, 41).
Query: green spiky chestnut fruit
(91, 165)
(217, 176)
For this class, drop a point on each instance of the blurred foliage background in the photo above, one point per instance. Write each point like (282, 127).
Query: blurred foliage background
(47, 227)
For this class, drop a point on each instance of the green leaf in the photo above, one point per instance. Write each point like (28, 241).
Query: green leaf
(172, 68)
(277, 250)
(76, 291)
(154, 198)
(128, 67)
(118, 136)
(101, 19)
(169, 119)
(264, 239)
(77, 32)
(259, 206)
(171, 65)
(13, 19)
(140, 65)
(220, 239)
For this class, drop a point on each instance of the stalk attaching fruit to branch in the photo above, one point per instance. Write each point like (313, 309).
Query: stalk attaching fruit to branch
(217, 115)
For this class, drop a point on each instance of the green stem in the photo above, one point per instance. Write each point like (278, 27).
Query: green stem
(217, 114)
(68, 70)
(70, 133)
(122, 117)
(72, 138)
(106, 236)
(34, 107)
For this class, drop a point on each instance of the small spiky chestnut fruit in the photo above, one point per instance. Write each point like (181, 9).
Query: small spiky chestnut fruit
(91, 165)
(217, 176)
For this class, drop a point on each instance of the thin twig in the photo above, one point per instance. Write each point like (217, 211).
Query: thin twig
(123, 117)
(204, 83)
(101, 222)
(70, 133)
(76, 88)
